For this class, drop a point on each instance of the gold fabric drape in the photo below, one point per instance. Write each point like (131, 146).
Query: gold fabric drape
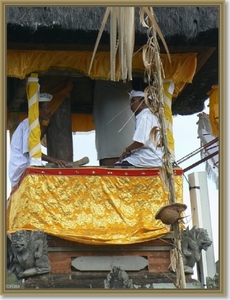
(82, 122)
(91, 205)
(214, 109)
(20, 63)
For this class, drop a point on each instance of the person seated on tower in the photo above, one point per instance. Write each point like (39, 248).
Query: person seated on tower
(142, 153)
(19, 150)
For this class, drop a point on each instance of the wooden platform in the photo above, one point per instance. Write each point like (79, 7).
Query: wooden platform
(63, 252)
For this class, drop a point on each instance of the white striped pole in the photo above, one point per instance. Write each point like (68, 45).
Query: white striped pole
(34, 143)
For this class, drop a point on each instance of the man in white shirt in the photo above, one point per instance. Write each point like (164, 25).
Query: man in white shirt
(19, 152)
(142, 152)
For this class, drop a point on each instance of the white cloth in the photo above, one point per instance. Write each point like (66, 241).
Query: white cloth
(149, 155)
(111, 113)
(45, 97)
(136, 94)
(19, 152)
(206, 136)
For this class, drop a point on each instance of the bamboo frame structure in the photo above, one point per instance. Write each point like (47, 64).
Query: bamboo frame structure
(181, 282)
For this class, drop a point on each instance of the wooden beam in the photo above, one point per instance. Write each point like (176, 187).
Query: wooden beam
(55, 47)
(203, 57)
(81, 47)
(19, 97)
(135, 248)
(59, 133)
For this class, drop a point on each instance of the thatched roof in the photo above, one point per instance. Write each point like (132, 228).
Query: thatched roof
(183, 28)
(178, 24)
(185, 21)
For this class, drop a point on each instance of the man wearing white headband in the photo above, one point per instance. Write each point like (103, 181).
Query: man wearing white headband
(133, 94)
(19, 152)
(142, 152)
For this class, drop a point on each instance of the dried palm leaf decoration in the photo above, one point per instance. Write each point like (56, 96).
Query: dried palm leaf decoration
(153, 75)
(122, 39)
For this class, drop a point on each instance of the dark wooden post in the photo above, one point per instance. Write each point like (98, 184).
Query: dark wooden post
(59, 133)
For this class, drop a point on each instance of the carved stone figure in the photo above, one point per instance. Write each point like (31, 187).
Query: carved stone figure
(118, 279)
(192, 243)
(30, 253)
(213, 283)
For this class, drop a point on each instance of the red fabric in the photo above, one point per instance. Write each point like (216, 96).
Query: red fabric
(97, 171)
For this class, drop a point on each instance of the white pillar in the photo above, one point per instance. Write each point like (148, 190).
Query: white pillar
(201, 218)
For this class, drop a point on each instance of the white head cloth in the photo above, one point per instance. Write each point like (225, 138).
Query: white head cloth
(136, 94)
(45, 97)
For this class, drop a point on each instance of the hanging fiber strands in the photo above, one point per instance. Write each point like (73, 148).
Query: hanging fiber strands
(151, 18)
(122, 38)
(154, 73)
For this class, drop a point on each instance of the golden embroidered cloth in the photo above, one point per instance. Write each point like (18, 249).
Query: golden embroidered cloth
(214, 109)
(20, 63)
(91, 205)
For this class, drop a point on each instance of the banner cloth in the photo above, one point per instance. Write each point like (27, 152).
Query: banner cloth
(91, 205)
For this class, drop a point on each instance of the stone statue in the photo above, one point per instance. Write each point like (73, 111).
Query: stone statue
(192, 243)
(118, 279)
(213, 283)
(30, 253)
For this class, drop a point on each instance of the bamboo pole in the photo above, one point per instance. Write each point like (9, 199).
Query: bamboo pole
(197, 150)
(200, 161)
(168, 167)
(172, 194)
